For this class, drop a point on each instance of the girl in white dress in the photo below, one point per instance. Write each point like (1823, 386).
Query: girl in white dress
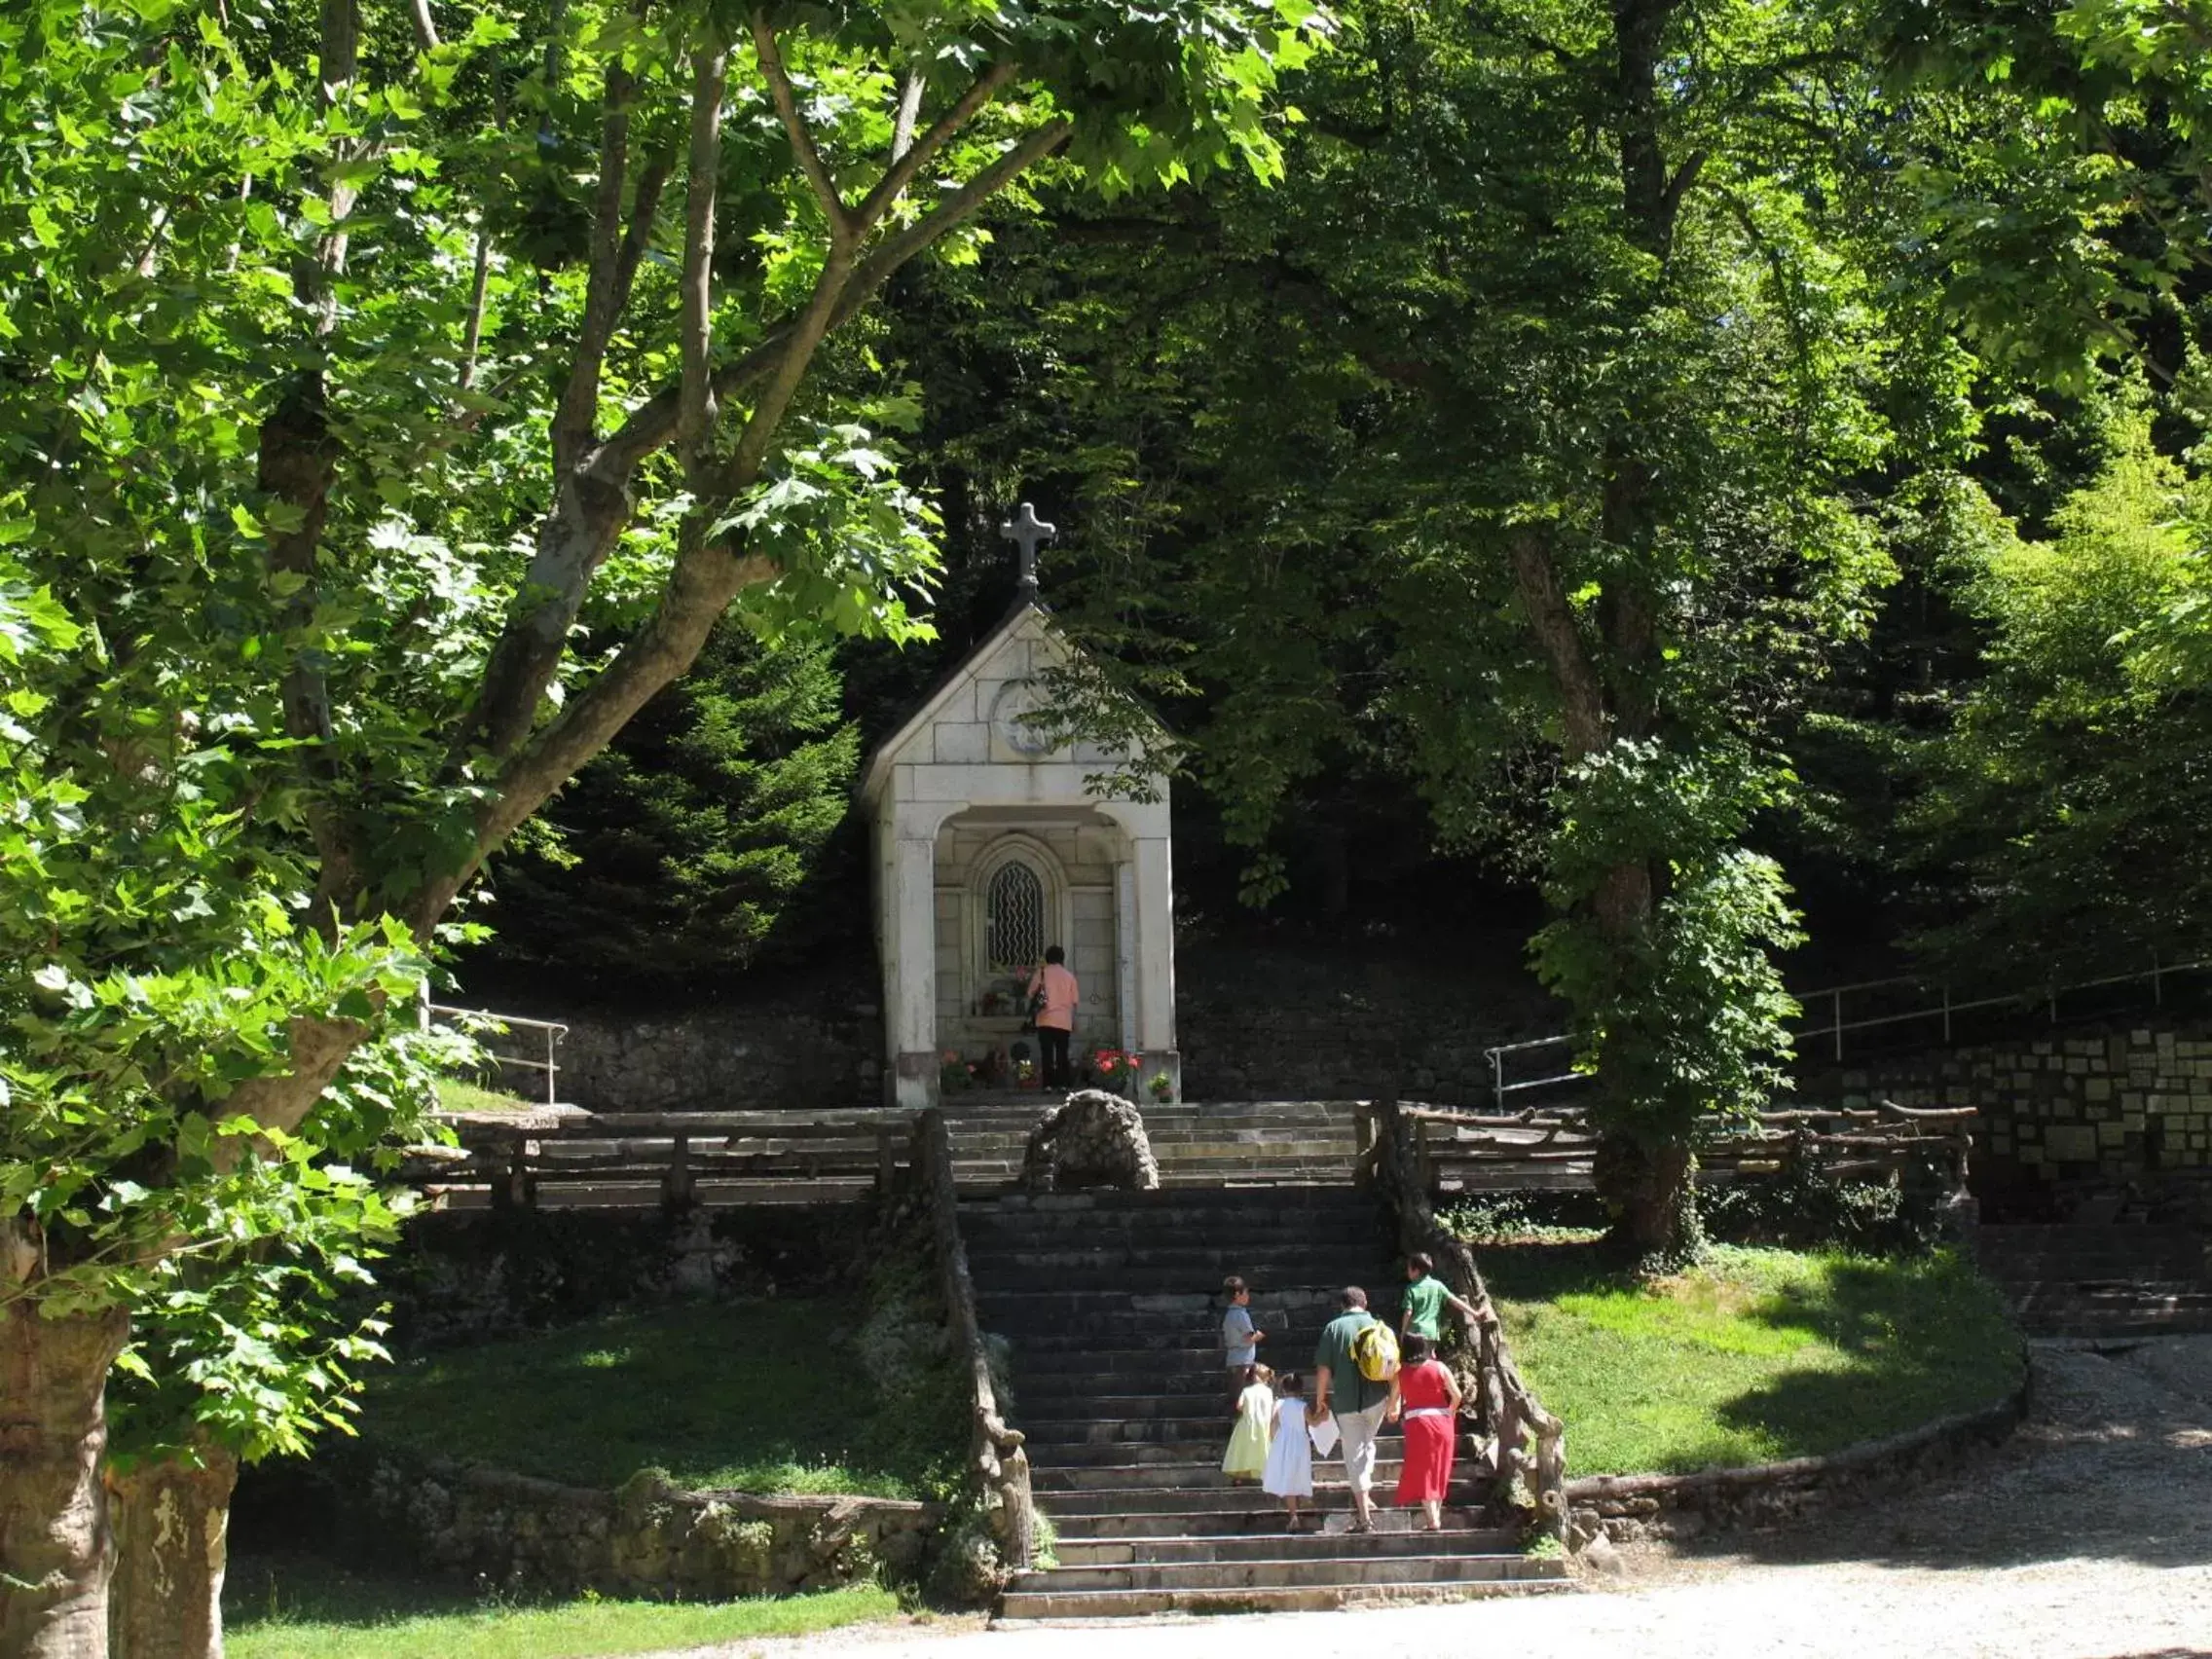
(1289, 1474)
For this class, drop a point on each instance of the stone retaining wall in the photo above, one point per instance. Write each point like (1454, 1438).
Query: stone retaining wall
(1624, 1507)
(2107, 1107)
(646, 1540)
(1255, 1023)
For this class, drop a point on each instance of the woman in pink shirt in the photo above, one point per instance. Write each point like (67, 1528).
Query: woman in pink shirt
(1055, 1020)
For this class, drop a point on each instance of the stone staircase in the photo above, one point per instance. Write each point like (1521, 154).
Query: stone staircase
(1197, 1145)
(2116, 1279)
(1110, 1302)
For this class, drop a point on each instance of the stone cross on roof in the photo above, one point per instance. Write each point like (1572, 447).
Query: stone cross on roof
(1027, 529)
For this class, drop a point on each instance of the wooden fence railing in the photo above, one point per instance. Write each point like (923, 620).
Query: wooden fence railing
(568, 1158)
(1551, 1148)
(998, 1463)
(1530, 1442)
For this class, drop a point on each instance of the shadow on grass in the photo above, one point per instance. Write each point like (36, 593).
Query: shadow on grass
(761, 1396)
(2113, 1462)
(279, 1588)
(1918, 1339)
(1757, 1356)
(1770, 1355)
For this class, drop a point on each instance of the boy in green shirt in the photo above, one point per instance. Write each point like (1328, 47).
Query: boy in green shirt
(1426, 1298)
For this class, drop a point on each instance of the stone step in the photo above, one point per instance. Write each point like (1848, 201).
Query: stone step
(1125, 1506)
(1196, 1239)
(1063, 1435)
(1190, 1468)
(2070, 1233)
(2144, 1290)
(1259, 1524)
(1322, 1274)
(1196, 1386)
(1520, 1576)
(1042, 1402)
(2100, 1273)
(1219, 1230)
(997, 1251)
(1343, 1566)
(1341, 1543)
(1185, 1344)
(1154, 1353)
(1253, 1205)
(1092, 1310)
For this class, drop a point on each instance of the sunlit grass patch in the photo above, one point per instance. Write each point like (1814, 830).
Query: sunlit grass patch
(1752, 1356)
(296, 1608)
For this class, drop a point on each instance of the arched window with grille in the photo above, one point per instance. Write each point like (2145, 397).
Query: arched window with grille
(1013, 918)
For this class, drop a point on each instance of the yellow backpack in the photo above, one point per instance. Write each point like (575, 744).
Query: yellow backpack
(1374, 1351)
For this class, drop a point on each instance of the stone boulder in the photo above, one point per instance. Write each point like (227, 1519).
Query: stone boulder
(1094, 1140)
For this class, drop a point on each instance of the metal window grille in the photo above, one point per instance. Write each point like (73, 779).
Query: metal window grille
(1015, 917)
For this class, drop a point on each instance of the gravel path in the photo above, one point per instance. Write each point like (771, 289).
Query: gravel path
(2089, 1537)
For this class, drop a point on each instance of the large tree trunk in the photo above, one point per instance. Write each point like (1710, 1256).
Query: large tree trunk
(54, 1556)
(1646, 1190)
(172, 1526)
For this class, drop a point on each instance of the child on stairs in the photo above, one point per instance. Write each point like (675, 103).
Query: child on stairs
(1289, 1474)
(1247, 1456)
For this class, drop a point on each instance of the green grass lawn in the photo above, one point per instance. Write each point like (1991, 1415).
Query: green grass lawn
(457, 1096)
(299, 1608)
(1757, 1355)
(761, 1396)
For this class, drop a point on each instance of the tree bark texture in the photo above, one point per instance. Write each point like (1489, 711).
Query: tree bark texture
(54, 1543)
(1648, 1190)
(172, 1519)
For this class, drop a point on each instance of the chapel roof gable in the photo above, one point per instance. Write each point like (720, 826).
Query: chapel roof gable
(1027, 621)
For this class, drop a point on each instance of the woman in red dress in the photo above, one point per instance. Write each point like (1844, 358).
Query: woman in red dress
(1426, 1396)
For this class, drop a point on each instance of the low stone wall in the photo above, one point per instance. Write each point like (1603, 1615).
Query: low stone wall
(1259, 1024)
(646, 1540)
(1625, 1507)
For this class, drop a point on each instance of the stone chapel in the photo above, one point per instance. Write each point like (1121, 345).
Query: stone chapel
(989, 846)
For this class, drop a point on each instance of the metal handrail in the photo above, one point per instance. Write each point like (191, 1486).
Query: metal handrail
(1945, 1008)
(554, 1031)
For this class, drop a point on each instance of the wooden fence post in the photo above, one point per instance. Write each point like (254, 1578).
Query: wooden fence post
(676, 1185)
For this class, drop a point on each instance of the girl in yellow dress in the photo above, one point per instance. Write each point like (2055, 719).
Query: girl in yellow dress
(1246, 1459)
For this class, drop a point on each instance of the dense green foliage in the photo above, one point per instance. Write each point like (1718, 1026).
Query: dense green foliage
(689, 844)
(392, 401)
(1547, 472)
(2071, 793)
(1752, 1356)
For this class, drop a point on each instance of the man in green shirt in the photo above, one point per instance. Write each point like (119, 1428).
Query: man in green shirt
(1426, 1298)
(1356, 1404)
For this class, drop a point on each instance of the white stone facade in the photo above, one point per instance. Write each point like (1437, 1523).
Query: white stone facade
(987, 846)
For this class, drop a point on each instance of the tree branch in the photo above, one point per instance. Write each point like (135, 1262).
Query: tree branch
(695, 402)
(1677, 187)
(1581, 697)
(425, 28)
(653, 423)
(592, 503)
(908, 165)
(576, 418)
(479, 292)
(842, 226)
(911, 92)
(707, 577)
(645, 206)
